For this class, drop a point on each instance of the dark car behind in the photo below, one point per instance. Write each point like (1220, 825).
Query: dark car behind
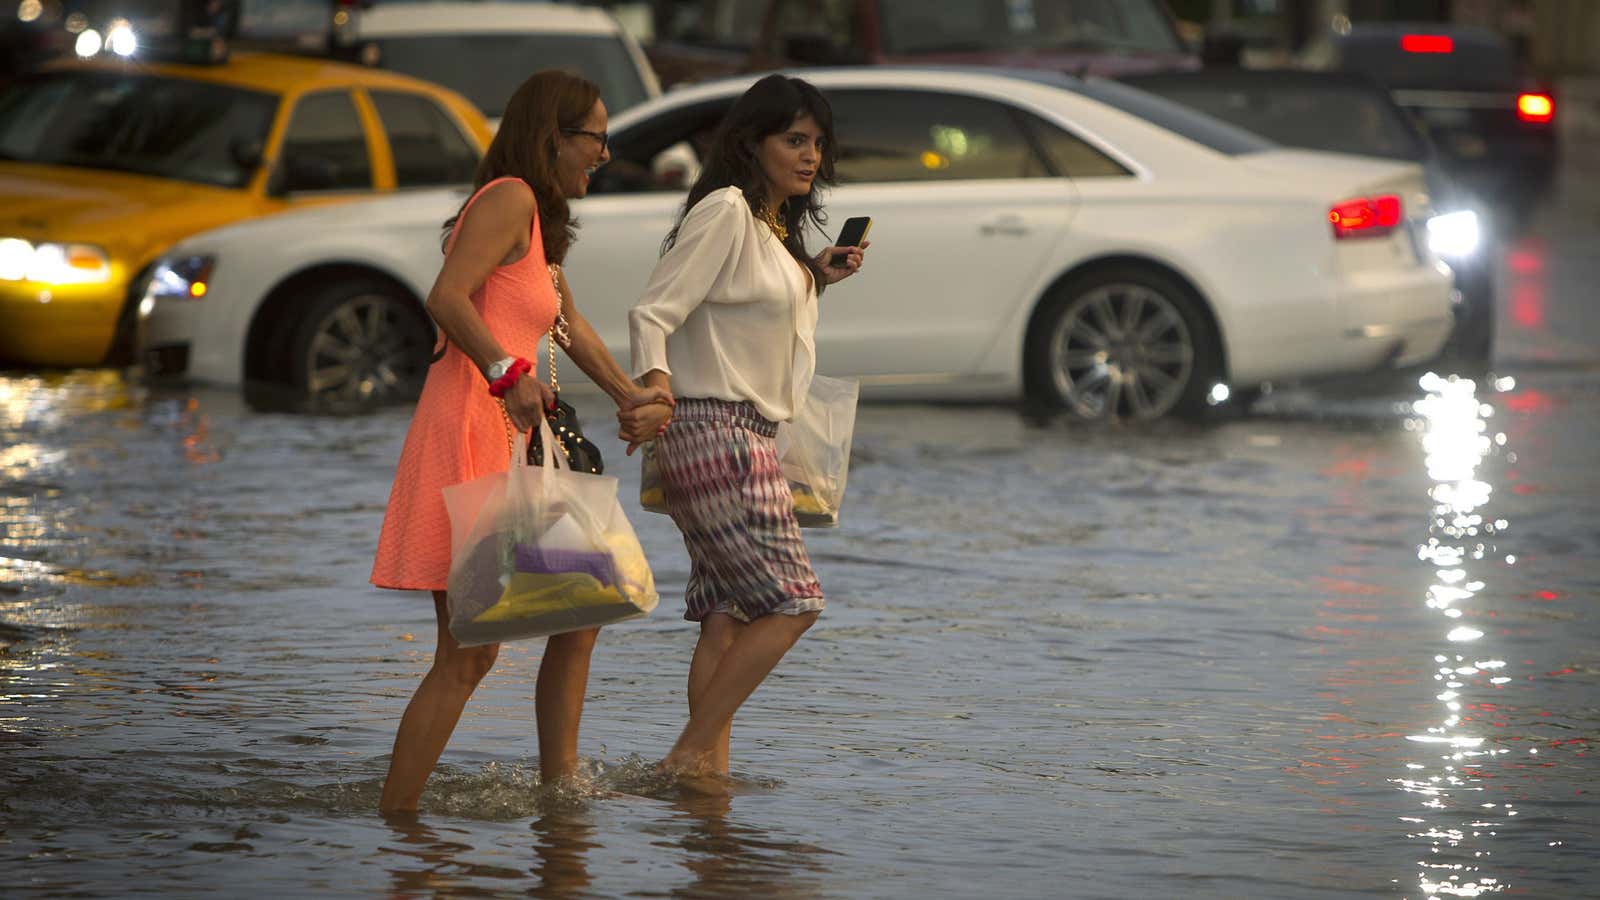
(1347, 113)
(1493, 125)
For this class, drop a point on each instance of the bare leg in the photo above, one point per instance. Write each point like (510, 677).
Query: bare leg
(744, 665)
(432, 714)
(717, 634)
(558, 700)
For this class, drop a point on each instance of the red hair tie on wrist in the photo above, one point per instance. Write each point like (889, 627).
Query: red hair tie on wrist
(506, 382)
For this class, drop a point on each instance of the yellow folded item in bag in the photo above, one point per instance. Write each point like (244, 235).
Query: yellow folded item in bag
(633, 570)
(805, 502)
(529, 595)
(653, 498)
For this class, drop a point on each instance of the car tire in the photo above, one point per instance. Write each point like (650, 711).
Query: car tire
(1122, 342)
(356, 345)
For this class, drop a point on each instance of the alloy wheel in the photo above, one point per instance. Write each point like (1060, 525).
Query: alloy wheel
(1121, 351)
(366, 351)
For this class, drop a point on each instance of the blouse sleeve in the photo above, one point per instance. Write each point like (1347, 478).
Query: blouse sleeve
(709, 239)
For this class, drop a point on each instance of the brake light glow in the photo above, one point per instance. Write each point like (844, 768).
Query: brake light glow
(1427, 43)
(1365, 216)
(1535, 108)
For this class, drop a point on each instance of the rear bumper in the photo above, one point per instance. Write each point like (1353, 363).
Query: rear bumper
(1406, 317)
(1508, 165)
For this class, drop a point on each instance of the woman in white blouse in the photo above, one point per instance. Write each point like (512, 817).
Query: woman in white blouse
(726, 324)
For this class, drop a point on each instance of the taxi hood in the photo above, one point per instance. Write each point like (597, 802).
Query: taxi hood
(123, 212)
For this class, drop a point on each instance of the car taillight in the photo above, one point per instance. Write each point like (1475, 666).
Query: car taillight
(1365, 216)
(1427, 43)
(1535, 108)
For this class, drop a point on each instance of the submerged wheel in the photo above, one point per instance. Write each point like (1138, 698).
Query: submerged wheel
(1123, 342)
(359, 344)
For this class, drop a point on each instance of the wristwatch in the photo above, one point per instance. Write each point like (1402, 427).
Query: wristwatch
(498, 369)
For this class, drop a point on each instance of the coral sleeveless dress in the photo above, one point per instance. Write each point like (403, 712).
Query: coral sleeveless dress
(457, 433)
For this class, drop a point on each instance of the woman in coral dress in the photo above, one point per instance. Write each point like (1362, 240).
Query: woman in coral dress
(494, 299)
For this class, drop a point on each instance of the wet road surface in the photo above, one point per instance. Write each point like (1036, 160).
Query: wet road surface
(1345, 646)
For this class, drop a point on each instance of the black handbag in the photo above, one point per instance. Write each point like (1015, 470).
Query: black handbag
(581, 453)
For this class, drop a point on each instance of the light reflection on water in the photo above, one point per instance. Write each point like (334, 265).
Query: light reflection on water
(1457, 821)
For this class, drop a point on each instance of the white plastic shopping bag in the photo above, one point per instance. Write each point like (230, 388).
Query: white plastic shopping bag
(814, 450)
(817, 459)
(541, 550)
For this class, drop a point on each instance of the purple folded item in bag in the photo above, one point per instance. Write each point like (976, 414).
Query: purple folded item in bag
(530, 558)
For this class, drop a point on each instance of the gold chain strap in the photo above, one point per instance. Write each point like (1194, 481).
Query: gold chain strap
(559, 332)
(511, 444)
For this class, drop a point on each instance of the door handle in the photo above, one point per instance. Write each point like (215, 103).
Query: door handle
(1003, 226)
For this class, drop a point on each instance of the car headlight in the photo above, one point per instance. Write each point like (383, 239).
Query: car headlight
(179, 278)
(185, 278)
(1454, 235)
(53, 263)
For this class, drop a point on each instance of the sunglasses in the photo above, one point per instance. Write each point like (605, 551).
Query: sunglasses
(603, 137)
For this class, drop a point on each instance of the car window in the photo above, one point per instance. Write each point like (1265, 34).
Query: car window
(1344, 118)
(1174, 117)
(972, 26)
(325, 148)
(1071, 155)
(427, 145)
(890, 135)
(166, 127)
(661, 154)
(488, 68)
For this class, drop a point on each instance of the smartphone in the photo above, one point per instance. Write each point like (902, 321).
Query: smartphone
(851, 235)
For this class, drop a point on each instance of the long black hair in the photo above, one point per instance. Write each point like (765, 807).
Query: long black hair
(769, 107)
(525, 147)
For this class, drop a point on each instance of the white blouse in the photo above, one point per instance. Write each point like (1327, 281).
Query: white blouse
(728, 312)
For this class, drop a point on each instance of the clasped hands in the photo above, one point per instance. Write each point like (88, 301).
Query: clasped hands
(644, 415)
(641, 415)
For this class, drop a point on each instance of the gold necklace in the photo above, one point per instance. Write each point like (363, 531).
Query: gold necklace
(770, 216)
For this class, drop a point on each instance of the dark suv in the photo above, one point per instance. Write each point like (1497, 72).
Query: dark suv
(1493, 125)
(699, 39)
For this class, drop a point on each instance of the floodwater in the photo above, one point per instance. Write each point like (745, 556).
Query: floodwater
(1346, 646)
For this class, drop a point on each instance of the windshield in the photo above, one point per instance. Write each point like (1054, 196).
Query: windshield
(167, 127)
(488, 68)
(1473, 62)
(974, 26)
(1340, 118)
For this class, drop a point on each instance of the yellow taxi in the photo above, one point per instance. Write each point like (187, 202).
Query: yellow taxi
(105, 163)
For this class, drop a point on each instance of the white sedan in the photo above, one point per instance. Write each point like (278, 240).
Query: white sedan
(1079, 240)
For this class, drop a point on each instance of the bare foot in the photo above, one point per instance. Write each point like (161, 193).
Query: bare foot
(704, 785)
(687, 763)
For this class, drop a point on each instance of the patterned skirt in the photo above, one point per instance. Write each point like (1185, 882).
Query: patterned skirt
(726, 493)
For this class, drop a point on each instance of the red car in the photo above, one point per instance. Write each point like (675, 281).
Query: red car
(698, 39)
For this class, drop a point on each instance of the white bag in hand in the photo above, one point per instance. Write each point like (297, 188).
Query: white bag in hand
(817, 459)
(541, 550)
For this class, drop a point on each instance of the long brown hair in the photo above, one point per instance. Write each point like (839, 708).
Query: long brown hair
(769, 107)
(525, 148)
